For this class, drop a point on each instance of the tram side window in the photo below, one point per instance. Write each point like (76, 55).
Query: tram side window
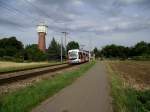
(80, 55)
(84, 54)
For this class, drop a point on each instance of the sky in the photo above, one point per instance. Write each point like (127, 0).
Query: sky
(92, 23)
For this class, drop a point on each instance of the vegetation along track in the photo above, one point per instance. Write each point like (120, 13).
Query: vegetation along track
(25, 69)
(13, 77)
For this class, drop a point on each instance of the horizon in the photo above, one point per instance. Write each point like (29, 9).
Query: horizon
(92, 23)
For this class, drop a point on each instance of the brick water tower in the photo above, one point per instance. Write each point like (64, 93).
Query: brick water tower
(42, 31)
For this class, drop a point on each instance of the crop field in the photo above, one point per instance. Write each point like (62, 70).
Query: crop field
(130, 85)
(135, 73)
(12, 66)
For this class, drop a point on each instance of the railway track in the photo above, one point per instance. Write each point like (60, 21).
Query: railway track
(21, 75)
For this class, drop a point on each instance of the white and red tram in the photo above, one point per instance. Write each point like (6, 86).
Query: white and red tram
(78, 56)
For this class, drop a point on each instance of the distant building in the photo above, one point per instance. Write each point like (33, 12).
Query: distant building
(42, 31)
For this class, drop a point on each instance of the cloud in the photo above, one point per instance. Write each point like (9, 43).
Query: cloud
(79, 17)
(9, 23)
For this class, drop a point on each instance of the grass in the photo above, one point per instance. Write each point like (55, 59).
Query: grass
(12, 66)
(25, 99)
(126, 98)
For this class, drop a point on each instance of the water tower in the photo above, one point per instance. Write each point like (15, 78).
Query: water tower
(42, 31)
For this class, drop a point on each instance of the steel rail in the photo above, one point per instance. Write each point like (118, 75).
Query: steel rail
(18, 77)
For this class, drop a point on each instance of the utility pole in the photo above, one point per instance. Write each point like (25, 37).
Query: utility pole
(90, 49)
(61, 49)
(65, 33)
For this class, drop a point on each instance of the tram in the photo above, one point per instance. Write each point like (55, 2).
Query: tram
(78, 56)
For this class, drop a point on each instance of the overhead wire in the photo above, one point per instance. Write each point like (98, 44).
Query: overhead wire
(15, 11)
(37, 8)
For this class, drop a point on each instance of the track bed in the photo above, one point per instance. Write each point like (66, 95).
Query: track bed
(21, 75)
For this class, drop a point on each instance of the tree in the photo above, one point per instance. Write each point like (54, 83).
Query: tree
(54, 50)
(10, 46)
(33, 53)
(96, 52)
(2, 52)
(72, 45)
(115, 51)
(141, 48)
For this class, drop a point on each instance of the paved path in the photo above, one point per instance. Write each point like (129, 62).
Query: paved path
(89, 93)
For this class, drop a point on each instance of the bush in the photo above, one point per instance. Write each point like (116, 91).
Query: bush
(19, 60)
(7, 58)
(13, 59)
(142, 58)
(33, 53)
(143, 97)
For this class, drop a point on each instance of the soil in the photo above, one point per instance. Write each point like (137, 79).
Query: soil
(136, 73)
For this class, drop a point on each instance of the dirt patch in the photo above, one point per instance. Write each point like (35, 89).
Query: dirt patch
(135, 73)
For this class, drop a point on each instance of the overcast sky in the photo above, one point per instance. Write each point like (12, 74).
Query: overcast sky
(90, 22)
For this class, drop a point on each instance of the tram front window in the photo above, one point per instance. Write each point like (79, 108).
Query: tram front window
(73, 55)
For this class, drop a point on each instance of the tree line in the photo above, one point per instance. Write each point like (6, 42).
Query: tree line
(13, 50)
(141, 50)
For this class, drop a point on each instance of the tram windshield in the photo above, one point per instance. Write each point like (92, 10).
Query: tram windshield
(73, 55)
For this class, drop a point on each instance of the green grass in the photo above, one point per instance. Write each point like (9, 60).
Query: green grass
(127, 99)
(25, 99)
(25, 67)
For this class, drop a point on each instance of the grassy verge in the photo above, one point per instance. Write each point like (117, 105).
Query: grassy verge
(127, 99)
(25, 67)
(25, 99)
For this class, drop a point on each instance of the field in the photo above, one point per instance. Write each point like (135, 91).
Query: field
(130, 85)
(13, 66)
(135, 73)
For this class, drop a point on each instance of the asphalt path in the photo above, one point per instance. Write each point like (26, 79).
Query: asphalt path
(89, 93)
